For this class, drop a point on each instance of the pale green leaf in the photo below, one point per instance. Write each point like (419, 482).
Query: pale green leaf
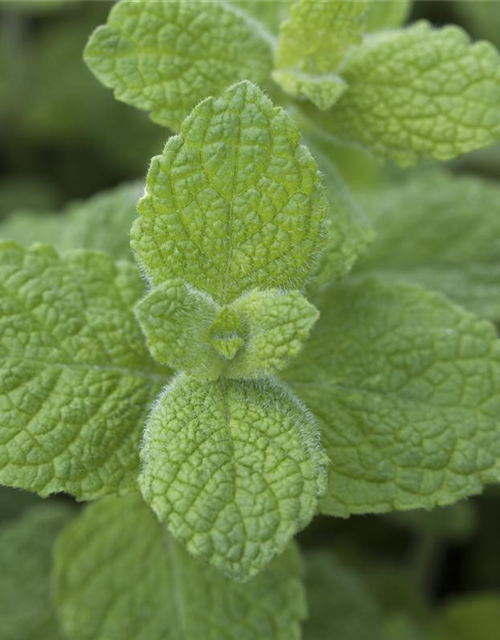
(119, 574)
(101, 222)
(25, 566)
(340, 606)
(442, 231)
(322, 90)
(259, 333)
(270, 12)
(318, 34)
(387, 14)
(406, 387)
(419, 92)
(166, 56)
(469, 617)
(235, 468)
(234, 203)
(76, 380)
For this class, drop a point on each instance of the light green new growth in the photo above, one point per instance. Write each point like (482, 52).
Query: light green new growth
(120, 575)
(25, 567)
(166, 56)
(419, 92)
(312, 44)
(388, 14)
(234, 203)
(234, 467)
(441, 231)
(406, 387)
(259, 333)
(76, 380)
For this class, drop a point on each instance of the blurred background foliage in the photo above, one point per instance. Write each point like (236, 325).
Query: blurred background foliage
(63, 138)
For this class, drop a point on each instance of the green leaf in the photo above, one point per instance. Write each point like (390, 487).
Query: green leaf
(166, 56)
(120, 575)
(406, 387)
(470, 616)
(101, 222)
(257, 334)
(234, 203)
(318, 34)
(441, 231)
(25, 566)
(419, 92)
(322, 90)
(270, 12)
(76, 380)
(340, 606)
(235, 468)
(388, 14)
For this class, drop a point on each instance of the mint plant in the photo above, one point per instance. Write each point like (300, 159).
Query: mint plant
(264, 353)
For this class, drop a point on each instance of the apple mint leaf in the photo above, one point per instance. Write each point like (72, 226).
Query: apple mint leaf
(76, 380)
(419, 92)
(441, 231)
(101, 222)
(340, 605)
(25, 567)
(255, 335)
(270, 12)
(176, 320)
(406, 388)
(119, 574)
(166, 56)
(387, 14)
(312, 44)
(471, 616)
(234, 203)
(322, 90)
(235, 468)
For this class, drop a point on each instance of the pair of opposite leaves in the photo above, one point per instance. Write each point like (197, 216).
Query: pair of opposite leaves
(404, 385)
(403, 93)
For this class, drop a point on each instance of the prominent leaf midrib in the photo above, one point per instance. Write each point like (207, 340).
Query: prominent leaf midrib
(124, 371)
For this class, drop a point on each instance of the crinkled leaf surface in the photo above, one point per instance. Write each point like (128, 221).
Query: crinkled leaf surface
(119, 574)
(235, 468)
(234, 203)
(419, 92)
(76, 380)
(323, 90)
(442, 231)
(388, 14)
(406, 387)
(340, 606)
(166, 56)
(101, 222)
(317, 35)
(25, 566)
(467, 617)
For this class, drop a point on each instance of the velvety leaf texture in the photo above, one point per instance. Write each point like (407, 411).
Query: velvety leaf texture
(119, 575)
(76, 380)
(420, 92)
(441, 231)
(25, 567)
(234, 202)
(235, 468)
(166, 56)
(406, 387)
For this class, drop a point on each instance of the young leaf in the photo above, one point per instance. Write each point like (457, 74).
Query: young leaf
(235, 468)
(312, 44)
(441, 231)
(419, 92)
(76, 380)
(166, 56)
(25, 566)
(119, 574)
(234, 203)
(406, 388)
(387, 14)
